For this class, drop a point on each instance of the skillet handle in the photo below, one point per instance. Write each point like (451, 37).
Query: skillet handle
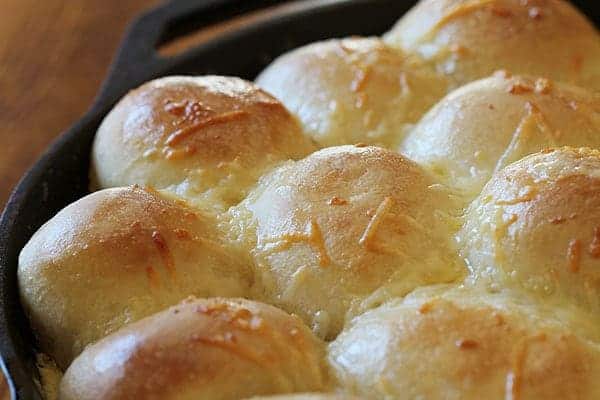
(137, 60)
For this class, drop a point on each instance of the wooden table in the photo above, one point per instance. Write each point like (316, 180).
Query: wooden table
(53, 56)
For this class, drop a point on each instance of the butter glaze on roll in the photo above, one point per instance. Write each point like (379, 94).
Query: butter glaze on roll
(352, 90)
(203, 138)
(217, 349)
(343, 228)
(536, 226)
(115, 256)
(464, 345)
(486, 125)
(466, 40)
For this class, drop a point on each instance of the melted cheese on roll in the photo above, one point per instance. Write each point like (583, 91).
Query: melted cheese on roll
(536, 226)
(463, 344)
(217, 349)
(352, 90)
(343, 228)
(465, 40)
(486, 125)
(115, 256)
(204, 138)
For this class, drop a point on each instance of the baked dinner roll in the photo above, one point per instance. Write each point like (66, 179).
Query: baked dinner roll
(352, 90)
(217, 349)
(328, 231)
(116, 256)
(484, 126)
(536, 225)
(205, 137)
(467, 40)
(464, 345)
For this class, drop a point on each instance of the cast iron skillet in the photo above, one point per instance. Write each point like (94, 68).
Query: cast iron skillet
(60, 176)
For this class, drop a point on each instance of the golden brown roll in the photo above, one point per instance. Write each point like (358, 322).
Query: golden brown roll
(116, 256)
(466, 345)
(485, 125)
(204, 137)
(352, 90)
(218, 349)
(344, 227)
(467, 40)
(536, 226)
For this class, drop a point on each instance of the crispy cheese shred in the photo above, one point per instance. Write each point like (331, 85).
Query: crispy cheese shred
(574, 255)
(594, 248)
(368, 237)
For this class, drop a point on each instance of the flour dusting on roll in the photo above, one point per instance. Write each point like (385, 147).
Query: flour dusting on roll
(466, 40)
(115, 256)
(352, 90)
(217, 349)
(345, 224)
(204, 138)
